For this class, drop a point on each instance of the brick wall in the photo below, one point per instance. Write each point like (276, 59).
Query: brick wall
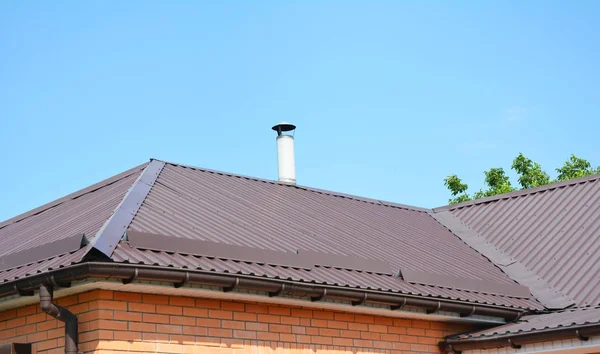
(112, 322)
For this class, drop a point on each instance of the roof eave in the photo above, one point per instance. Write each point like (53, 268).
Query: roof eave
(516, 340)
(229, 282)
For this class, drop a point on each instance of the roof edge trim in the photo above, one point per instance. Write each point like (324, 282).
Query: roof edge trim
(228, 282)
(540, 289)
(109, 235)
(518, 193)
(515, 340)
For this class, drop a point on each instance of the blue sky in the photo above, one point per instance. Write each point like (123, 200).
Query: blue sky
(389, 96)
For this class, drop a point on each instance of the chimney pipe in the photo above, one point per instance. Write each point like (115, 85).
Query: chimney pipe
(285, 153)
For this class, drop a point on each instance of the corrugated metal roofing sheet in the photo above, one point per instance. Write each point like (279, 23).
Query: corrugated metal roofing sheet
(211, 206)
(81, 212)
(321, 275)
(555, 320)
(552, 230)
(42, 266)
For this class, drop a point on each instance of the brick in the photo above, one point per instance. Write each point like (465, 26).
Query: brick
(153, 318)
(37, 337)
(427, 340)
(27, 310)
(328, 332)
(207, 303)
(363, 343)
(325, 315)
(268, 336)
(182, 339)
(303, 339)
(7, 315)
(233, 324)
(281, 311)
(195, 312)
(113, 325)
(343, 317)
(108, 305)
(240, 334)
(321, 340)
(169, 348)
(420, 324)
(290, 320)
(232, 306)
(142, 327)
(419, 347)
(298, 329)
(318, 323)
(37, 318)
(386, 321)
(342, 342)
(269, 318)
(244, 316)
(400, 322)
(257, 326)
(358, 326)
(147, 308)
(219, 332)
(313, 331)
(180, 320)
(409, 339)
(171, 329)
(337, 325)
(128, 336)
(378, 328)
(127, 297)
(195, 331)
(364, 318)
(80, 308)
(280, 328)
(382, 345)
(434, 333)
(155, 299)
(302, 313)
(67, 301)
(16, 322)
(370, 335)
(147, 347)
(182, 301)
(350, 334)
(224, 315)
(390, 337)
(155, 337)
(26, 329)
(397, 330)
(401, 346)
(55, 333)
(208, 322)
(415, 331)
(47, 344)
(169, 310)
(127, 316)
(257, 308)
(286, 337)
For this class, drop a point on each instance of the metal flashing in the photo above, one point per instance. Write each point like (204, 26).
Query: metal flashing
(49, 250)
(543, 292)
(478, 285)
(109, 235)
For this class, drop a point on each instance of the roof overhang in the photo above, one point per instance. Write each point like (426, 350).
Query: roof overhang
(269, 288)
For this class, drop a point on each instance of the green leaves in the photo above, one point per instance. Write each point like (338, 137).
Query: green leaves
(530, 175)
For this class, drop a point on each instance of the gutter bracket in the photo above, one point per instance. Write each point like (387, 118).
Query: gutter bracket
(513, 345)
(319, 298)
(470, 313)
(22, 292)
(362, 301)
(132, 278)
(437, 308)
(184, 282)
(399, 307)
(235, 285)
(278, 292)
(580, 336)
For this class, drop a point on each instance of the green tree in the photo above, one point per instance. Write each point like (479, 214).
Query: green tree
(530, 175)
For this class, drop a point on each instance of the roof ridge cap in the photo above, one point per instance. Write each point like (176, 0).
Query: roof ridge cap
(519, 193)
(86, 190)
(309, 189)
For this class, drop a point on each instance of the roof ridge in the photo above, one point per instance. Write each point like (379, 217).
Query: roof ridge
(309, 189)
(89, 189)
(519, 193)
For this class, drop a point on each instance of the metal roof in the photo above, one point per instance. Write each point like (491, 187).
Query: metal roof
(556, 320)
(553, 231)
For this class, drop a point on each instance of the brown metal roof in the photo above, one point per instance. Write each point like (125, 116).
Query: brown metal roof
(535, 323)
(553, 231)
(213, 206)
(82, 212)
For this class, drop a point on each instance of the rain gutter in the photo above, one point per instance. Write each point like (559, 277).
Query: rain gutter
(129, 273)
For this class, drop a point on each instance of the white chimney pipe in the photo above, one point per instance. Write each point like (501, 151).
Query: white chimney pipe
(285, 153)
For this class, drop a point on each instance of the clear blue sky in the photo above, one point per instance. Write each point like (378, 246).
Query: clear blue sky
(389, 97)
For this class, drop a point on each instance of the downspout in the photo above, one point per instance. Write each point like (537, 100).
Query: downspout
(62, 314)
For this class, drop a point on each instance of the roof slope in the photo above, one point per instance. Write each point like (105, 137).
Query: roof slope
(82, 212)
(552, 230)
(213, 206)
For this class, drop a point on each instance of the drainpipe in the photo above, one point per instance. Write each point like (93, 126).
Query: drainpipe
(62, 314)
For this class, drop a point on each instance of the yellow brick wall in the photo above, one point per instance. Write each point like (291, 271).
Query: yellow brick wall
(112, 322)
